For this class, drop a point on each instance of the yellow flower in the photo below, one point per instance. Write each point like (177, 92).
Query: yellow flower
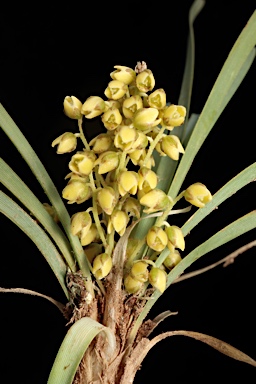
(146, 118)
(157, 278)
(107, 199)
(116, 89)
(72, 107)
(118, 221)
(102, 265)
(155, 200)
(132, 207)
(125, 137)
(128, 182)
(66, 142)
(175, 237)
(101, 143)
(156, 238)
(131, 105)
(157, 99)
(174, 115)
(147, 179)
(132, 285)
(145, 81)
(112, 119)
(139, 271)
(197, 194)
(172, 259)
(82, 162)
(76, 191)
(91, 236)
(80, 223)
(124, 74)
(171, 146)
(107, 161)
(93, 106)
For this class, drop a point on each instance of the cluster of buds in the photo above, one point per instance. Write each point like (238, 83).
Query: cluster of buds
(137, 121)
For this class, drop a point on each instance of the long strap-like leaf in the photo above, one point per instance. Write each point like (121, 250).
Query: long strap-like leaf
(16, 186)
(73, 347)
(19, 217)
(36, 166)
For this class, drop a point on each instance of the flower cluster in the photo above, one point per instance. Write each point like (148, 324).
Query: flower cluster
(116, 170)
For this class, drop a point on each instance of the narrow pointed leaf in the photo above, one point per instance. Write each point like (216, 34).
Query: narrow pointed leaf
(73, 347)
(19, 217)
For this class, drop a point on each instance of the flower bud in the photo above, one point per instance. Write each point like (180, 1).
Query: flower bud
(171, 146)
(111, 119)
(107, 161)
(132, 285)
(197, 194)
(80, 223)
(132, 207)
(157, 99)
(131, 105)
(101, 143)
(66, 142)
(175, 237)
(82, 162)
(72, 107)
(139, 271)
(118, 221)
(145, 81)
(137, 155)
(125, 137)
(102, 265)
(157, 278)
(174, 115)
(141, 141)
(107, 199)
(124, 74)
(146, 118)
(93, 106)
(157, 238)
(116, 89)
(128, 182)
(172, 259)
(147, 179)
(155, 200)
(76, 191)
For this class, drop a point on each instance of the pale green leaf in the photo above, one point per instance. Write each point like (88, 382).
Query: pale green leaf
(38, 169)
(29, 226)
(73, 347)
(16, 186)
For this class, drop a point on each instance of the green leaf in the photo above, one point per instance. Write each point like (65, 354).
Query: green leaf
(36, 166)
(73, 347)
(16, 186)
(233, 72)
(19, 217)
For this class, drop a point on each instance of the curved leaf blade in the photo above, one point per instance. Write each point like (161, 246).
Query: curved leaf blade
(73, 347)
(19, 189)
(19, 217)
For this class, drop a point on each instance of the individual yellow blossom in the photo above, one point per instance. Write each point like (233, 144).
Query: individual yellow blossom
(107, 199)
(93, 106)
(118, 221)
(111, 119)
(116, 89)
(82, 162)
(145, 81)
(107, 161)
(175, 237)
(174, 115)
(132, 207)
(92, 250)
(128, 182)
(157, 278)
(72, 107)
(146, 118)
(66, 142)
(147, 179)
(132, 285)
(131, 105)
(157, 99)
(139, 271)
(77, 191)
(172, 259)
(125, 74)
(197, 194)
(125, 137)
(101, 143)
(102, 265)
(155, 200)
(171, 146)
(91, 236)
(80, 223)
(157, 238)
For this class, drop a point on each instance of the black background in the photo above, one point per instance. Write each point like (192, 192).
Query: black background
(50, 51)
